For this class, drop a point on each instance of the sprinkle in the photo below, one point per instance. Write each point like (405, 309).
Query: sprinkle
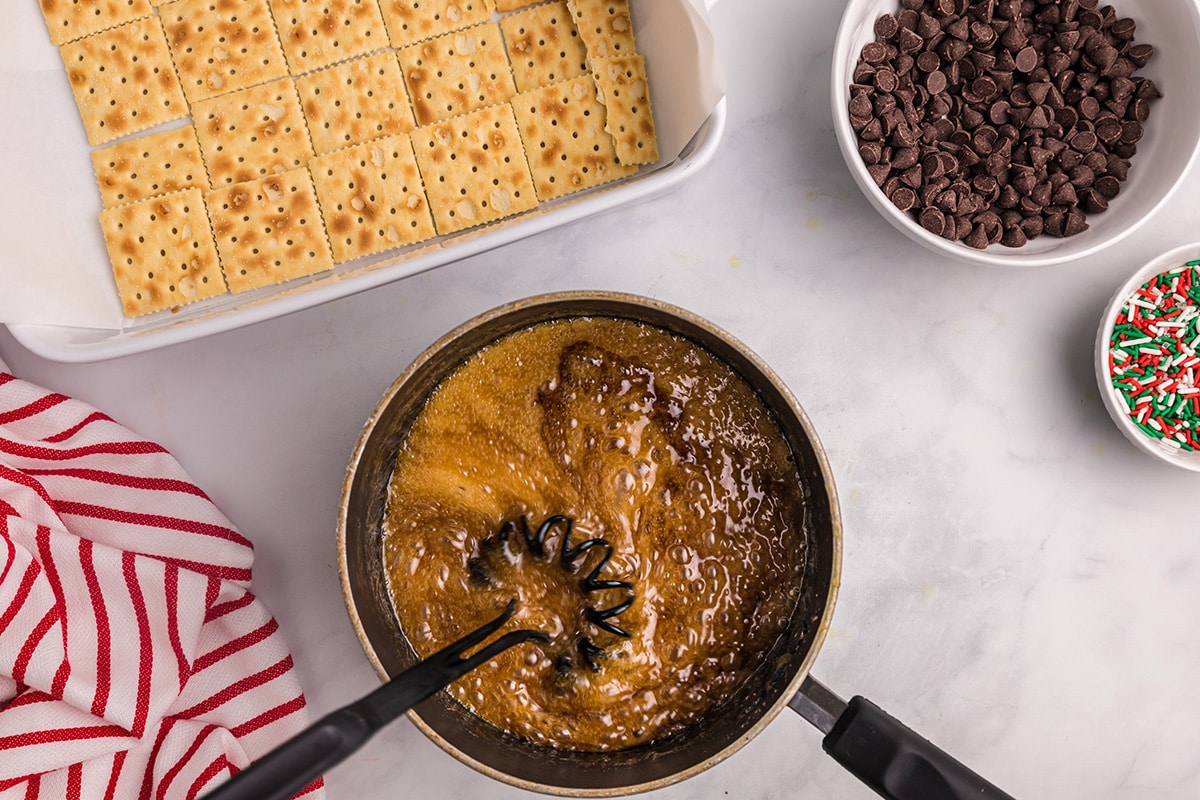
(1153, 355)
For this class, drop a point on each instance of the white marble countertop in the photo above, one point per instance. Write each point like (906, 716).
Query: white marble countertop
(1019, 584)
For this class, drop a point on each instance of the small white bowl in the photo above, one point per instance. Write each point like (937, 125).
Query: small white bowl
(1164, 154)
(1112, 400)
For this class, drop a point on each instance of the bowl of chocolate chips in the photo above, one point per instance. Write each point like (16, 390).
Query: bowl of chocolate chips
(1017, 132)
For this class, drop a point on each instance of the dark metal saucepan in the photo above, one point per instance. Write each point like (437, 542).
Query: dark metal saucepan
(890, 758)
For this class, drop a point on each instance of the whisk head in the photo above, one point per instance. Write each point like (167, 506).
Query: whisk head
(571, 558)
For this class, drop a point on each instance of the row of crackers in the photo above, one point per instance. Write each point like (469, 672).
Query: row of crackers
(156, 69)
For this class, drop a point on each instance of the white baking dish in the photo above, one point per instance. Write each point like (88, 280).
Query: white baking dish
(48, 214)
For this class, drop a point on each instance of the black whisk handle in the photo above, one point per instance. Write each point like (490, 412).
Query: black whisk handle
(300, 760)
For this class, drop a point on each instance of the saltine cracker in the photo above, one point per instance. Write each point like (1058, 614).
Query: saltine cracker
(269, 230)
(372, 198)
(457, 72)
(252, 132)
(624, 90)
(317, 33)
(147, 166)
(354, 102)
(411, 21)
(543, 46)
(68, 20)
(565, 141)
(162, 252)
(605, 26)
(474, 168)
(221, 46)
(123, 80)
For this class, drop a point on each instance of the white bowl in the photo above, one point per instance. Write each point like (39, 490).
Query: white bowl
(1164, 154)
(1112, 400)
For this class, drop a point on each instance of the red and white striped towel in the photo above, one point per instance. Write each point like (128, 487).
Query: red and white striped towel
(134, 661)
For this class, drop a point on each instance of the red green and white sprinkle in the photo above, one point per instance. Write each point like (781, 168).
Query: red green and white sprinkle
(1153, 357)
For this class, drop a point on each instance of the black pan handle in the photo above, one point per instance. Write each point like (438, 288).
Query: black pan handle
(884, 753)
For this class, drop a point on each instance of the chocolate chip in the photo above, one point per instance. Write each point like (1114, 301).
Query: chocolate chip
(1038, 118)
(927, 26)
(1084, 141)
(1124, 150)
(886, 27)
(961, 229)
(870, 152)
(1104, 57)
(982, 34)
(984, 88)
(977, 238)
(1075, 223)
(932, 167)
(872, 131)
(1038, 92)
(1055, 224)
(1139, 110)
(1041, 195)
(932, 220)
(860, 107)
(909, 42)
(1140, 54)
(1092, 201)
(886, 81)
(874, 52)
(928, 61)
(1065, 195)
(1108, 130)
(1083, 175)
(1131, 132)
(935, 82)
(903, 198)
(1026, 60)
(1123, 28)
(905, 157)
(1014, 237)
(1066, 117)
(1057, 64)
(1108, 186)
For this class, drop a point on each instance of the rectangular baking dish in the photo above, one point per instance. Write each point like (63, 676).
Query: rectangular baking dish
(71, 343)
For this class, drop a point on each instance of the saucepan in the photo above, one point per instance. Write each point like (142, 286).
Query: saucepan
(886, 755)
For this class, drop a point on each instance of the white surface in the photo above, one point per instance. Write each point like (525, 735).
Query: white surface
(1020, 584)
(67, 306)
(1165, 153)
(1114, 402)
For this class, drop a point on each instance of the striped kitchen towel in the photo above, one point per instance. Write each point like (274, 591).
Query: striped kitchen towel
(134, 661)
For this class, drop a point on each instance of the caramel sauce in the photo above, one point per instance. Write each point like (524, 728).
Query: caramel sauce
(642, 438)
